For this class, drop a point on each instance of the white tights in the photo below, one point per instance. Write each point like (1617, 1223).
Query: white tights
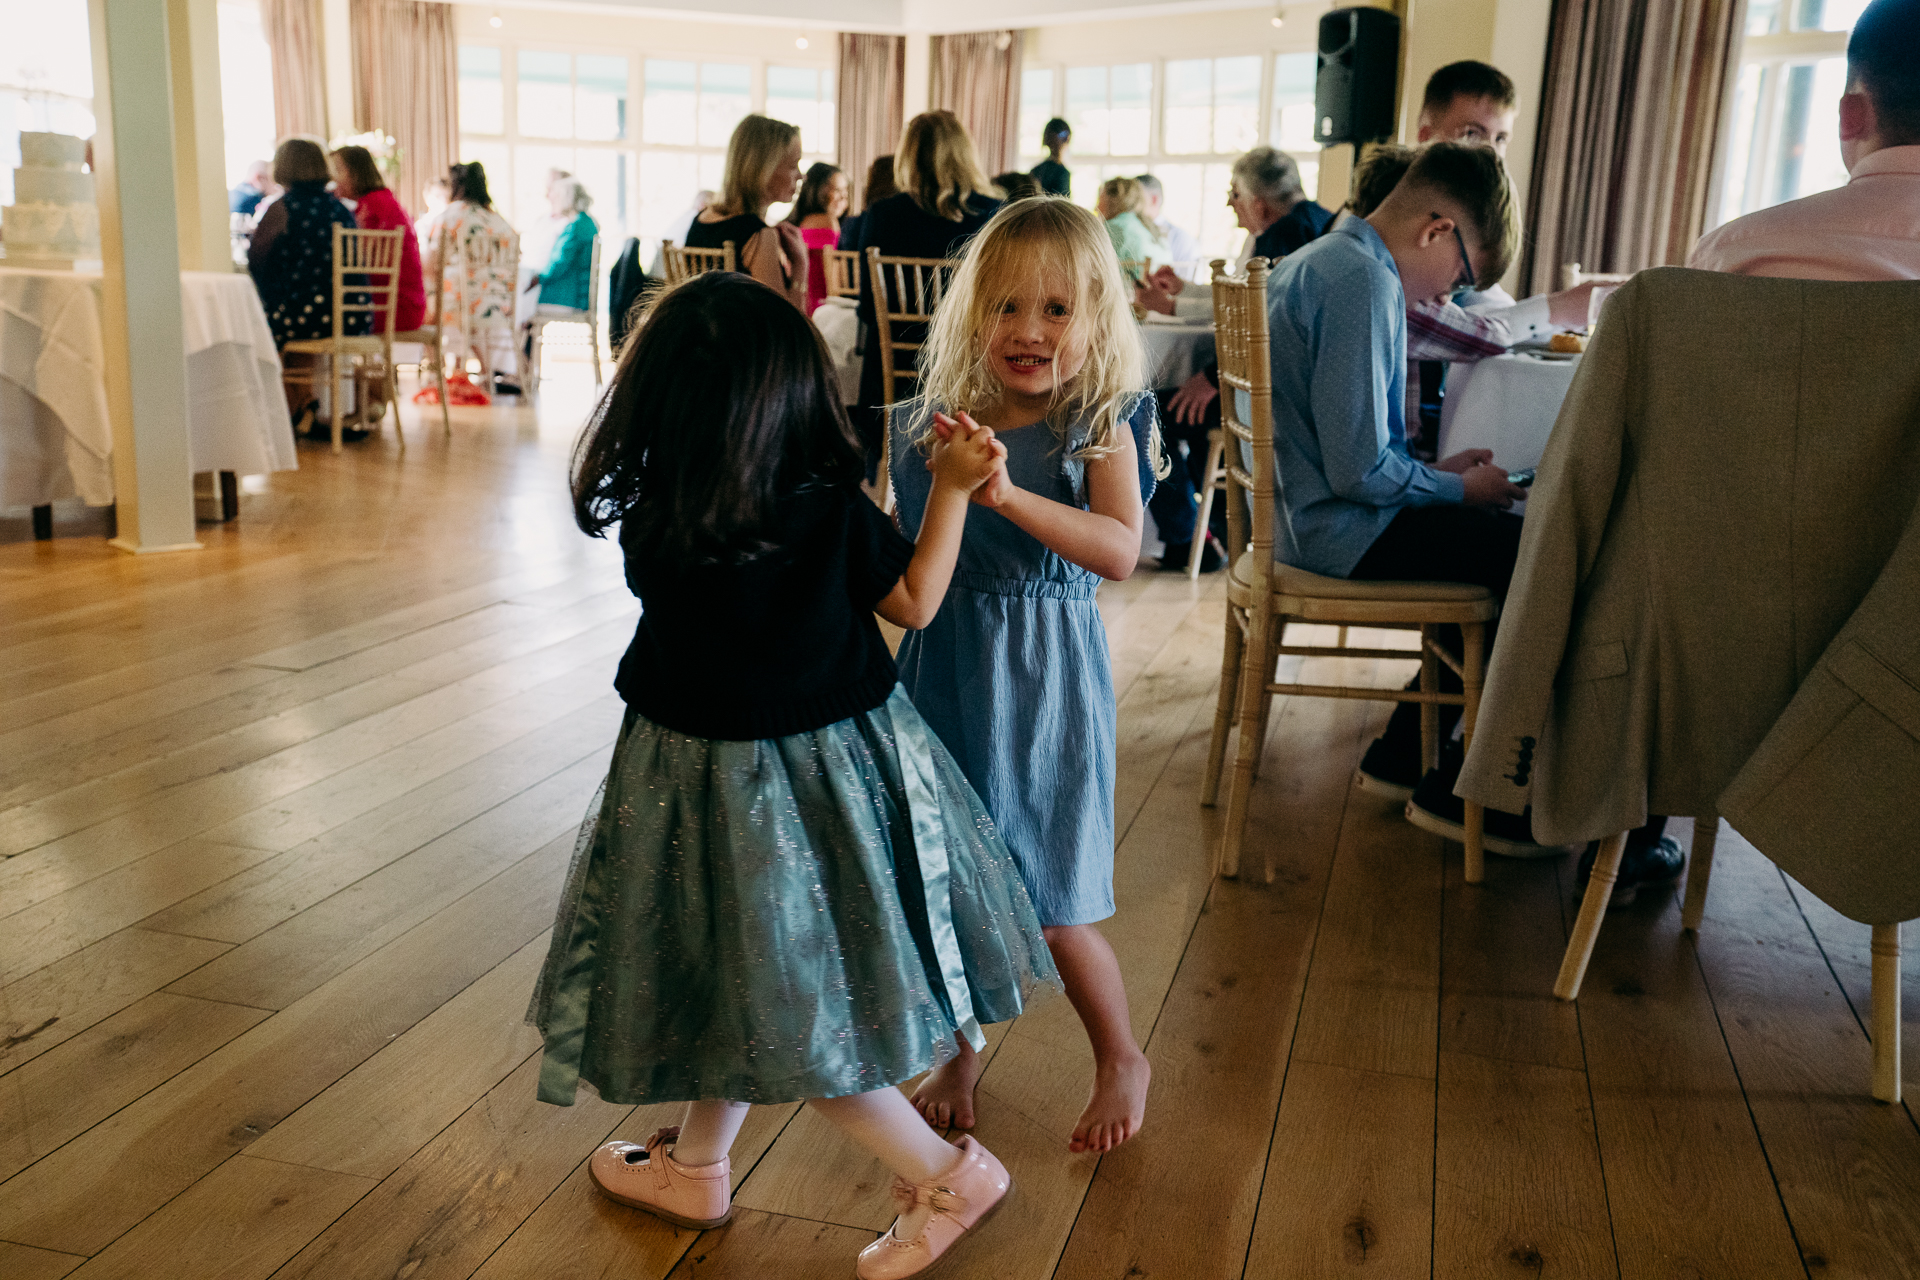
(883, 1122)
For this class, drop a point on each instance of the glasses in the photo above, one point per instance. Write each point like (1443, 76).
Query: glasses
(1466, 279)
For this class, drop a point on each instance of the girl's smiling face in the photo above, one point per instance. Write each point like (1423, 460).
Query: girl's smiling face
(1032, 348)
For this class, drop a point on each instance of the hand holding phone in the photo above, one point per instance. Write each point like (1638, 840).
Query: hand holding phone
(1524, 479)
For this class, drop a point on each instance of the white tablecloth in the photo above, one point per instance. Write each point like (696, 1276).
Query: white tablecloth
(55, 437)
(1507, 404)
(1176, 349)
(838, 320)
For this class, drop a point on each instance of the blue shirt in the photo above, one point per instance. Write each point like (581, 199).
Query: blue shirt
(1338, 323)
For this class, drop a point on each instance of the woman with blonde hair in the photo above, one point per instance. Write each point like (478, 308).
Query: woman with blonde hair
(1036, 338)
(1137, 238)
(763, 169)
(944, 198)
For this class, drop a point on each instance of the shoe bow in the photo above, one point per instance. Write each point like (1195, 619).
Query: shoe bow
(906, 1195)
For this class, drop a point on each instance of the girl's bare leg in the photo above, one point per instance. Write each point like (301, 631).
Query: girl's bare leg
(945, 1097)
(1091, 974)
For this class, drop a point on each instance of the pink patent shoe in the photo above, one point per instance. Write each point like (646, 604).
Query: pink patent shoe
(960, 1199)
(648, 1177)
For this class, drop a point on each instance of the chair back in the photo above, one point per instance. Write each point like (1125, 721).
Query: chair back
(905, 293)
(684, 264)
(593, 281)
(1572, 277)
(843, 272)
(1246, 365)
(366, 278)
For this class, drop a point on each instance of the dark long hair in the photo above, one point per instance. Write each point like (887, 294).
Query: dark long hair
(724, 405)
(813, 192)
(470, 183)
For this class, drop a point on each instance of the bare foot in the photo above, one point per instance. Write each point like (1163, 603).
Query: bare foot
(1118, 1106)
(945, 1097)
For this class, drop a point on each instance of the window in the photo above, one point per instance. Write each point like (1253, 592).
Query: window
(46, 79)
(804, 96)
(1783, 137)
(1213, 105)
(1110, 109)
(483, 103)
(1207, 112)
(643, 130)
(246, 75)
(1036, 108)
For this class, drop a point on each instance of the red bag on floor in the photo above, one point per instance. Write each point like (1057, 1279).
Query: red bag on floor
(460, 390)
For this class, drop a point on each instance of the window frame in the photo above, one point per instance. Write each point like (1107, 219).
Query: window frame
(1772, 55)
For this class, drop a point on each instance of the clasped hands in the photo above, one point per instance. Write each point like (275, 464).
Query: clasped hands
(1158, 290)
(971, 457)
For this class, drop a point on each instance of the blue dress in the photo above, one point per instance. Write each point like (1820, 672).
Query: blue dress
(1013, 673)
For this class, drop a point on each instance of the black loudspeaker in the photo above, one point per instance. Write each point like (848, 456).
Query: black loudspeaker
(1356, 85)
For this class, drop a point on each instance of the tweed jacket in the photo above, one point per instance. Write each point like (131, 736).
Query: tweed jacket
(1735, 462)
(1833, 793)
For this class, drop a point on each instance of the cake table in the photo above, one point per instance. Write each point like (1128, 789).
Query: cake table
(56, 440)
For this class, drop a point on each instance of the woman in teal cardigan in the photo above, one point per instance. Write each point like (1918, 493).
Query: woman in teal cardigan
(564, 281)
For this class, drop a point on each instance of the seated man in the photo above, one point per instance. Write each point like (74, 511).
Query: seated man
(1870, 228)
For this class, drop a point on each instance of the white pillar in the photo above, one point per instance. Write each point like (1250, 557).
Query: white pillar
(917, 81)
(337, 34)
(199, 135)
(140, 249)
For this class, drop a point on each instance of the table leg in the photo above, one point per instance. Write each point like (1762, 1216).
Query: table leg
(229, 496)
(113, 520)
(43, 523)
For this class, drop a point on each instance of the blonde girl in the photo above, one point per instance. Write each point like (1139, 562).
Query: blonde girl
(763, 169)
(1136, 237)
(1036, 337)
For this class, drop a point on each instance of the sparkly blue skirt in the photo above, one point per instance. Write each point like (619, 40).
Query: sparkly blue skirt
(770, 921)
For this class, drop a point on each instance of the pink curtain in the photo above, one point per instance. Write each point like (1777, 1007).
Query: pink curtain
(406, 82)
(977, 77)
(293, 29)
(1629, 119)
(870, 98)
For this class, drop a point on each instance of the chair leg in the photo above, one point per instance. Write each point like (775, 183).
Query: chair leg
(339, 400)
(1216, 453)
(532, 380)
(1473, 645)
(593, 342)
(440, 381)
(1223, 712)
(1263, 672)
(1886, 1012)
(1706, 830)
(1429, 711)
(1593, 908)
(1255, 662)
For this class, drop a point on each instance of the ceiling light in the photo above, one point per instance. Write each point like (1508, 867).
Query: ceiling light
(801, 43)
(494, 21)
(1277, 20)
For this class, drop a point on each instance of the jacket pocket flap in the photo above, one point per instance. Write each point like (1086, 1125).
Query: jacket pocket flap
(1878, 685)
(1594, 662)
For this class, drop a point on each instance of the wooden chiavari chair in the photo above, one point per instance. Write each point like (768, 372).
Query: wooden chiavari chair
(684, 264)
(372, 259)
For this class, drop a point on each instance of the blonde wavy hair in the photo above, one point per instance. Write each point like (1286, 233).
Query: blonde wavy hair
(758, 145)
(1042, 240)
(937, 165)
(1126, 195)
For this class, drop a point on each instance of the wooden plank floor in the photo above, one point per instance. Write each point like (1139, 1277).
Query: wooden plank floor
(282, 826)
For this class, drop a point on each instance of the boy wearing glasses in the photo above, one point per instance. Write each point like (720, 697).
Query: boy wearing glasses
(1354, 503)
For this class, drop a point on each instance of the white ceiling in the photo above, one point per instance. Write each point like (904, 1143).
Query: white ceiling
(896, 15)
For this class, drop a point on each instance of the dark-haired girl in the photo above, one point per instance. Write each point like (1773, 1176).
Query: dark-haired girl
(788, 891)
(817, 211)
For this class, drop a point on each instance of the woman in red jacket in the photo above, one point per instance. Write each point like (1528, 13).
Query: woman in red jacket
(356, 177)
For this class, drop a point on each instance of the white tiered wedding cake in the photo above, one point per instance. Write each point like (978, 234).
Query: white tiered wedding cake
(52, 219)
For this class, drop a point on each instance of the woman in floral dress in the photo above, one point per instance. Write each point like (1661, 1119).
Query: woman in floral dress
(477, 253)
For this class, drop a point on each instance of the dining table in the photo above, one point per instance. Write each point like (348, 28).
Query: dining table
(1507, 404)
(56, 439)
(1176, 349)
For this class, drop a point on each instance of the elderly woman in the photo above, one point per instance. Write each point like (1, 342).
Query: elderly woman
(563, 281)
(357, 178)
(476, 252)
